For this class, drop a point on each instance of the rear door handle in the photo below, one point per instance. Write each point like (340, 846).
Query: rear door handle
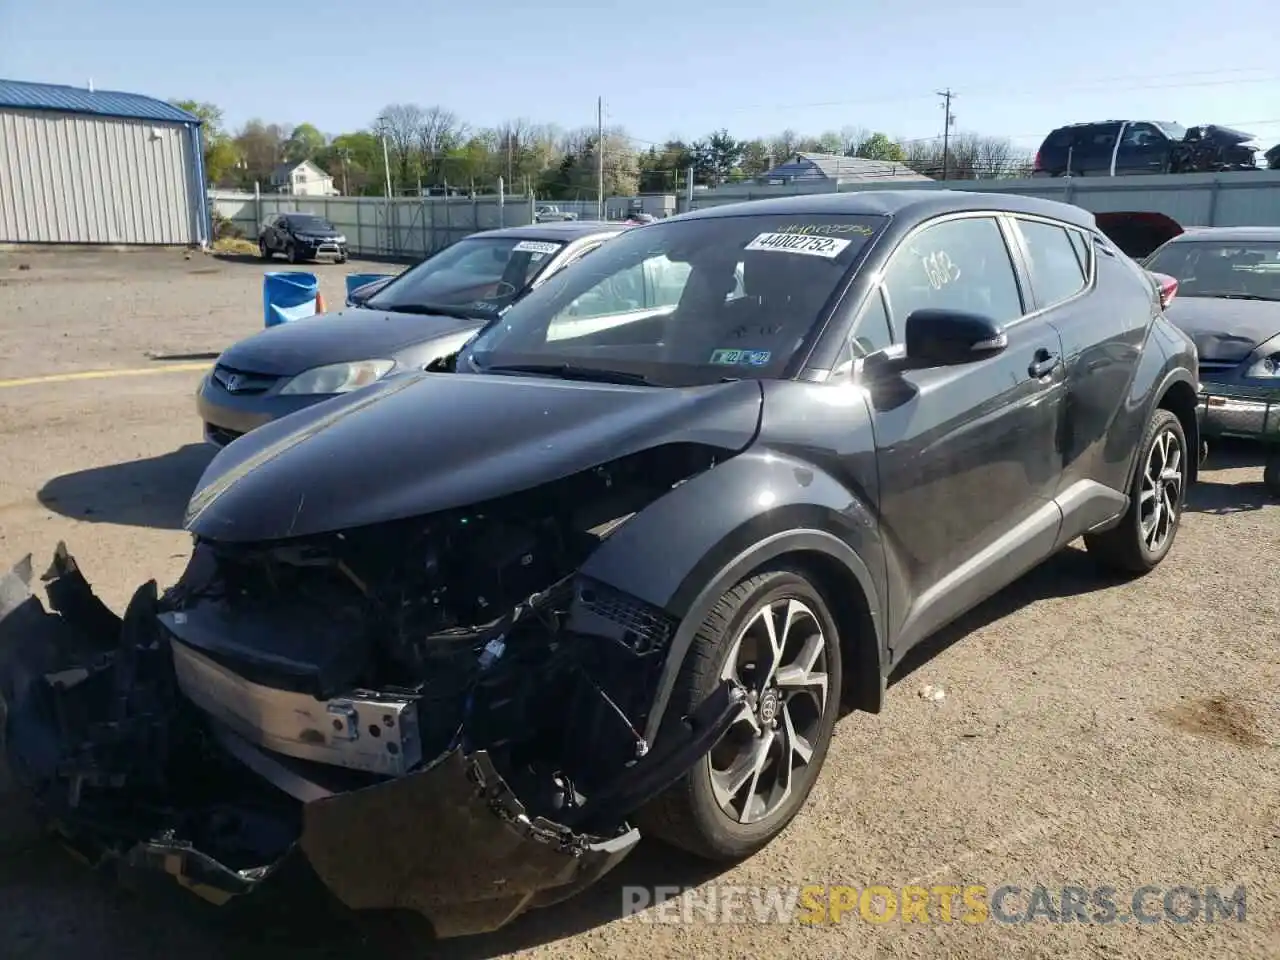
(1043, 364)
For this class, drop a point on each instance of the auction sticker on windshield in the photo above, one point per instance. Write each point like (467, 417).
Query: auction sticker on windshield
(535, 246)
(756, 358)
(808, 244)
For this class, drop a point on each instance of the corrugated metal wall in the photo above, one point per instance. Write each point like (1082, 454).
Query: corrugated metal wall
(73, 178)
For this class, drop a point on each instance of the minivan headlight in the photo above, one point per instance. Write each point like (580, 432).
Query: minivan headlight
(338, 377)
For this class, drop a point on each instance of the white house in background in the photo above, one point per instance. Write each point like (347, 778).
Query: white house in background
(302, 179)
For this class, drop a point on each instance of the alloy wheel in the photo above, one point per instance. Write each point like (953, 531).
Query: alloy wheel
(779, 656)
(1161, 496)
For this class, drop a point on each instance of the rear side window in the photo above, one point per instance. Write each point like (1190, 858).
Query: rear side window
(1054, 264)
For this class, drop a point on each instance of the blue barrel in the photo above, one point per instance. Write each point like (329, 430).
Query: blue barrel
(357, 280)
(289, 296)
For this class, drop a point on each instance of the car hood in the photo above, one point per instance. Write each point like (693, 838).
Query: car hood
(356, 334)
(1225, 330)
(418, 443)
(1227, 135)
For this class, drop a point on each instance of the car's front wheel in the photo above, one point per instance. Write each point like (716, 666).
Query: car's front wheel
(774, 634)
(1145, 535)
(263, 252)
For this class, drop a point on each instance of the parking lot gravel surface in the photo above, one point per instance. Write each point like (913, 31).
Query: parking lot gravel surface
(1073, 731)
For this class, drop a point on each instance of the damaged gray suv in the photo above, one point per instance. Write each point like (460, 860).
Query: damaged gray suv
(686, 505)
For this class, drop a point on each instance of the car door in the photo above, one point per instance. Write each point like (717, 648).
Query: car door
(1098, 149)
(968, 454)
(1094, 299)
(1143, 149)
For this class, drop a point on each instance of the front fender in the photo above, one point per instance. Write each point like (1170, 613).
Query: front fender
(684, 551)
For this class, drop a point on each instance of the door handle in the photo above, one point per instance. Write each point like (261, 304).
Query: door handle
(1043, 364)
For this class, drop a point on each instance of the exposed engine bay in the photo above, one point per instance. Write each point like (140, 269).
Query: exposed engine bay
(422, 710)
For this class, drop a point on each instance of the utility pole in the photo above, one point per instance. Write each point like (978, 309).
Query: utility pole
(600, 158)
(948, 120)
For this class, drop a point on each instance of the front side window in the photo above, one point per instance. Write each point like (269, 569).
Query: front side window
(477, 276)
(1053, 262)
(961, 265)
(686, 302)
(1216, 268)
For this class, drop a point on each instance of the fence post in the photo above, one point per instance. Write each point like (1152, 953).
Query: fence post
(359, 244)
(1213, 202)
(257, 209)
(448, 219)
(502, 203)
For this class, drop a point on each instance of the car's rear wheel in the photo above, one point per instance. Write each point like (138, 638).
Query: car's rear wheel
(774, 634)
(1145, 535)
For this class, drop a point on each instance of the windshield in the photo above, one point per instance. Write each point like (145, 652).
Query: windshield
(685, 302)
(1175, 131)
(315, 224)
(478, 275)
(1213, 268)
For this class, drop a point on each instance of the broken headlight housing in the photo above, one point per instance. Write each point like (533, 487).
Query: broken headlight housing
(338, 377)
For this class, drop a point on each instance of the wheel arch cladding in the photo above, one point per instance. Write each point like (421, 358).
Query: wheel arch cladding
(1179, 398)
(754, 510)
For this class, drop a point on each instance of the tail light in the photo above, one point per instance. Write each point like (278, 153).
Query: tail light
(1168, 287)
(1035, 165)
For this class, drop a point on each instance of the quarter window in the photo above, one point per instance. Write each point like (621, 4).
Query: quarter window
(871, 332)
(1054, 264)
(959, 265)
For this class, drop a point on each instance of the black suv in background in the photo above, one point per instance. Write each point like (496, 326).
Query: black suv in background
(1113, 148)
(301, 236)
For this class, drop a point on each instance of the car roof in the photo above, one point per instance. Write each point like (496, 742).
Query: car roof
(565, 231)
(906, 204)
(1230, 234)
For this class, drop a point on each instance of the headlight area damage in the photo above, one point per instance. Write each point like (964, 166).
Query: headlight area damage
(418, 710)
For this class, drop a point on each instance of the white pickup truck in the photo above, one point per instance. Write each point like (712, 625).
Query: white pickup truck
(548, 212)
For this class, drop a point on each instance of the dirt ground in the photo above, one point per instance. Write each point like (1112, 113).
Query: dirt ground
(1090, 734)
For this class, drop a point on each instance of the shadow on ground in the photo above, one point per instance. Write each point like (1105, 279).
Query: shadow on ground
(1070, 573)
(148, 492)
(1215, 496)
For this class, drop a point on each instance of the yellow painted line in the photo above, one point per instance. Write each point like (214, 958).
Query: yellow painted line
(103, 374)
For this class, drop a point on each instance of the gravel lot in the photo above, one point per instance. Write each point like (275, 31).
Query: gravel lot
(1092, 733)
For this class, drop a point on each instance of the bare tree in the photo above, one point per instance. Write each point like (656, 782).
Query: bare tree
(400, 123)
(969, 156)
(439, 131)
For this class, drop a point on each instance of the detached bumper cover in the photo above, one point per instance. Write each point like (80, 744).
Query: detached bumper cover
(92, 715)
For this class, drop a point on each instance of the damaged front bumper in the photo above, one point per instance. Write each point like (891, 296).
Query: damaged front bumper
(130, 769)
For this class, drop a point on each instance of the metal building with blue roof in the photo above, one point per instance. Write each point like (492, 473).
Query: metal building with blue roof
(86, 166)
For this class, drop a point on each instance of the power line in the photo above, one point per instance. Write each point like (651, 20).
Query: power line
(1003, 92)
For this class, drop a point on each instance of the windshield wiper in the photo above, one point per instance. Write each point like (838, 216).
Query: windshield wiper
(567, 371)
(435, 309)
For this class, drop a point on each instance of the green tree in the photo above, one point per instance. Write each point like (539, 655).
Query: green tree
(716, 157)
(878, 146)
(304, 143)
(220, 154)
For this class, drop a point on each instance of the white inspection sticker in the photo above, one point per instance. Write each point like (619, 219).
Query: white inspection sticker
(535, 246)
(809, 245)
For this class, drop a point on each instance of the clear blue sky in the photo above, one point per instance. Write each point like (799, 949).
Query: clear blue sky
(667, 68)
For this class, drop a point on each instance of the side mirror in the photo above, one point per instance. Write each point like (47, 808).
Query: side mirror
(941, 338)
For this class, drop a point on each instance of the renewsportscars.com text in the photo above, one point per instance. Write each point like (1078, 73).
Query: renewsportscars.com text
(815, 904)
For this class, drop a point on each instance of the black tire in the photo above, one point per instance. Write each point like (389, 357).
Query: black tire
(687, 815)
(263, 252)
(1124, 549)
(1271, 472)
(292, 253)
